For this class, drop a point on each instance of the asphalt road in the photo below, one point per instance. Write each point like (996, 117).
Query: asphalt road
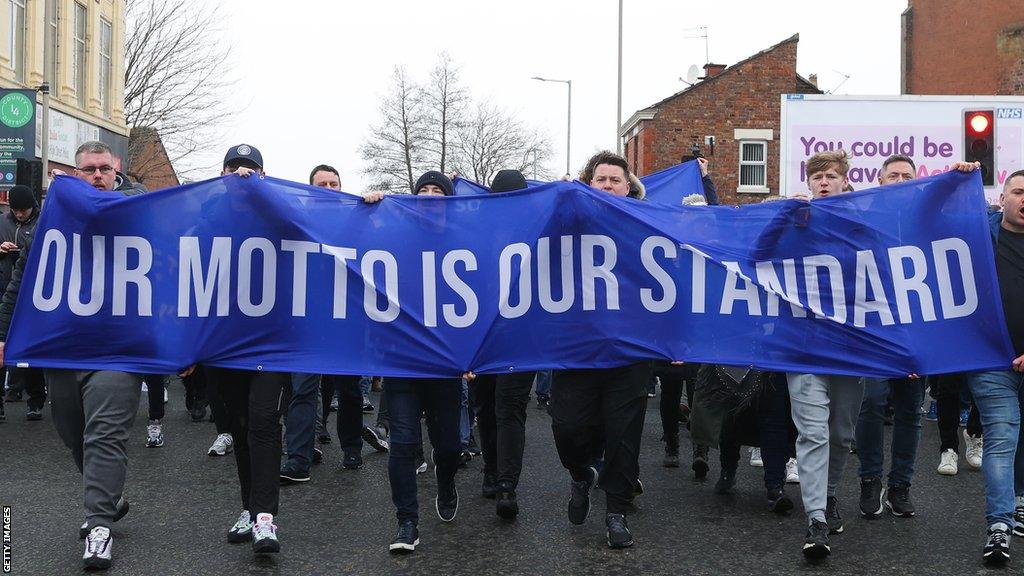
(183, 502)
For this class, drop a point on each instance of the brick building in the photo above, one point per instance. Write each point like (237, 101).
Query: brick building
(969, 47)
(148, 162)
(738, 106)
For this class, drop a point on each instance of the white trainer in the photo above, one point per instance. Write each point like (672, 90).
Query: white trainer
(948, 462)
(974, 451)
(242, 530)
(154, 434)
(755, 458)
(792, 474)
(98, 545)
(264, 535)
(222, 446)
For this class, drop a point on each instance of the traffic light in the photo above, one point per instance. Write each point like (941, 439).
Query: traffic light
(979, 142)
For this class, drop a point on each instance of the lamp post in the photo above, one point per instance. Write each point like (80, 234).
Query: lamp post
(618, 100)
(568, 130)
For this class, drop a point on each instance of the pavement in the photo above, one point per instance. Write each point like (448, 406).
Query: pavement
(183, 502)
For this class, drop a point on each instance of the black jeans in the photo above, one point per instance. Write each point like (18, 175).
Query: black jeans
(155, 385)
(774, 428)
(34, 384)
(609, 402)
(500, 403)
(350, 410)
(254, 403)
(946, 391)
(408, 399)
(673, 381)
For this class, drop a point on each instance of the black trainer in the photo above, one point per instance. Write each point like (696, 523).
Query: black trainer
(671, 459)
(324, 437)
(618, 531)
(871, 497)
(507, 507)
(318, 455)
(726, 482)
(835, 521)
(376, 438)
(352, 461)
(490, 485)
(407, 538)
(997, 548)
(198, 413)
(778, 501)
(34, 414)
(700, 462)
(290, 474)
(447, 501)
(816, 544)
(897, 500)
(579, 498)
(579, 507)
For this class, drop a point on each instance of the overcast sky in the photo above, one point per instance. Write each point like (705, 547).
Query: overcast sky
(311, 72)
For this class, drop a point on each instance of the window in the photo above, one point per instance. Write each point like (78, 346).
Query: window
(105, 70)
(79, 67)
(51, 50)
(18, 39)
(753, 166)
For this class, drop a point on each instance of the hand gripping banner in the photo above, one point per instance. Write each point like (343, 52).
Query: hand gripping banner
(266, 274)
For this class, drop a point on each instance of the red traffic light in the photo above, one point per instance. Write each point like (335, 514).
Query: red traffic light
(979, 122)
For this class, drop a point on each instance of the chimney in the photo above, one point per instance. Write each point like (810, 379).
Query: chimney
(813, 79)
(712, 70)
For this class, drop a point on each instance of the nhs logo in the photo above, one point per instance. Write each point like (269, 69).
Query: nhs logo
(1013, 113)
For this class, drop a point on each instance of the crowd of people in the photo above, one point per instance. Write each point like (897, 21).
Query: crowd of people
(799, 427)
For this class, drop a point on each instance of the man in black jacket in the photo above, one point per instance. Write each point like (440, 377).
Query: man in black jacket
(93, 410)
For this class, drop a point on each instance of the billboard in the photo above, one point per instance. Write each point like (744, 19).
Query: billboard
(935, 131)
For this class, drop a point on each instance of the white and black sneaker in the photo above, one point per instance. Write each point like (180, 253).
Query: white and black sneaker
(97, 549)
(816, 544)
(997, 548)
(242, 530)
(447, 501)
(222, 446)
(375, 439)
(154, 434)
(264, 535)
(1018, 517)
(407, 539)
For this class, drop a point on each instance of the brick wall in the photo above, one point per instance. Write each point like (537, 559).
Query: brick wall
(963, 47)
(747, 95)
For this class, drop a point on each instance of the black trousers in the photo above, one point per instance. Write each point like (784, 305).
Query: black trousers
(155, 384)
(674, 379)
(609, 402)
(254, 403)
(350, 409)
(946, 391)
(501, 402)
(200, 392)
(34, 384)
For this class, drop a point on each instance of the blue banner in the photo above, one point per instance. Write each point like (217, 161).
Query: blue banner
(671, 185)
(268, 274)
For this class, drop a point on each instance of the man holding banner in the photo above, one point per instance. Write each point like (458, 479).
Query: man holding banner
(93, 410)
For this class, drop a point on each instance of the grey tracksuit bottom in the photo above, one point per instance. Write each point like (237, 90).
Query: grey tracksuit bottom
(825, 410)
(93, 411)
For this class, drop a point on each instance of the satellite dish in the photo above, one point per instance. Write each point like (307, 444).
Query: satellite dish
(692, 74)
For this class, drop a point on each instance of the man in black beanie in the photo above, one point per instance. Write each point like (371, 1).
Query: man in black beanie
(434, 183)
(16, 230)
(500, 402)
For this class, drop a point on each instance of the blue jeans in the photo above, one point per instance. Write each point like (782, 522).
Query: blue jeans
(408, 399)
(364, 385)
(300, 423)
(907, 395)
(543, 386)
(999, 396)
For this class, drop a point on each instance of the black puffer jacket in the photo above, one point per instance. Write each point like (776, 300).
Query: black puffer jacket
(10, 298)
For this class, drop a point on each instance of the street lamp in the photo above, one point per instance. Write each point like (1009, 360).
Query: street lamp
(568, 130)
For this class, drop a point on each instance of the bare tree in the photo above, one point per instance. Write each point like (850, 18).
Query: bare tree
(175, 82)
(494, 139)
(396, 148)
(445, 102)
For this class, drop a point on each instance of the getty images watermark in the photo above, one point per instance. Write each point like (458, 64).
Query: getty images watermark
(7, 539)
